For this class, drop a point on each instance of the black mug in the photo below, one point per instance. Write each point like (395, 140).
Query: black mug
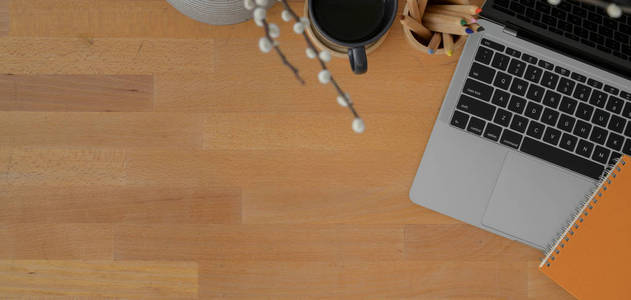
(353, 24)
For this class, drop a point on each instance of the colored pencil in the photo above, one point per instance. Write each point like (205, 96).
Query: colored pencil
(476, 27)
(458, 2)
(448, 28)
(413, 6)
(443, 19)
(462, 9)
(416, 27)
(448, 44)
(434, 42)
(422, 4)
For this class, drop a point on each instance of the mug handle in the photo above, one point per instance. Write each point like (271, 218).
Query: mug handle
(358, 60)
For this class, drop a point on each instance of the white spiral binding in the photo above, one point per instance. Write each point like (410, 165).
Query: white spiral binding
(581, 212)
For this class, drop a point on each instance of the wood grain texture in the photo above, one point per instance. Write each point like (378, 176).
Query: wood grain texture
(76, 93)
(147, 155)
(107, 279)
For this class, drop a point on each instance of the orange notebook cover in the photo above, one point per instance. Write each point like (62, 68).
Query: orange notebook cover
(592, 257)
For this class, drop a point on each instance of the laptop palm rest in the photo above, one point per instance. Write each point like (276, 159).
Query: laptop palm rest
(532, 200)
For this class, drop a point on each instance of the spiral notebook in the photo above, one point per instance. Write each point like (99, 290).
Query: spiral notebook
(592, 257)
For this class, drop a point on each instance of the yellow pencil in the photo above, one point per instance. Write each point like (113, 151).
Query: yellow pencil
(413, 6)
(434, 42)
(463, 9)
(448, 44)
(476, 27)
(443, 19)
(415, 26)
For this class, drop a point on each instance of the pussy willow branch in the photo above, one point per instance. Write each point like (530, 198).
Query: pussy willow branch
(280, 53)
(322, 63)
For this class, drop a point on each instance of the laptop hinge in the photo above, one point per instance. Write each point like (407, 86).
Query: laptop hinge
(510, 30)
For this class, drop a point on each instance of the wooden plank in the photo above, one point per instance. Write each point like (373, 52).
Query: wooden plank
(103, 279)
(304, 168)
(5, 18)
(542, 287)
(76, 92)
(462, 242)
(112, 204)
(63, 167)
(350, 280)
(342, 205)
(258, 242)
(121, 130)
(317, 131)
(89, 55)
(56, 241)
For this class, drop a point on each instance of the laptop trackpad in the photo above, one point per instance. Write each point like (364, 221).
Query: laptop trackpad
(533, 200)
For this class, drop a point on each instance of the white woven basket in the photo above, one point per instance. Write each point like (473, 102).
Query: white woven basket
(215, 12)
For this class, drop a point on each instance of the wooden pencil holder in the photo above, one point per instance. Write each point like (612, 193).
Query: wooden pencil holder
(421, 44)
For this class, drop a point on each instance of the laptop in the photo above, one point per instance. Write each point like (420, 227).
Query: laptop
(538, 107)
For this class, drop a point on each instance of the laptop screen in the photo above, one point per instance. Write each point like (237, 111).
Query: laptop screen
(578, 29)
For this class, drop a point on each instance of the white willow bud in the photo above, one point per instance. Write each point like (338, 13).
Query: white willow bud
(325, 56)
(249, 4)
(614, 11)
(260, 14)
(310, 53)
(286, 15)
(274, 31)
(299, 28)
(324, 76)
(554, 2)
(265, 45)
(262, 2)
(358, 125)
(343, 102)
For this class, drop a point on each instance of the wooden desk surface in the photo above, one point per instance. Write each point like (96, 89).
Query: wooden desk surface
(145, 155)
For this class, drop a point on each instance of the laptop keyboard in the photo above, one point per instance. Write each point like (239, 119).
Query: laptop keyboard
(580, 21)
(544, 110)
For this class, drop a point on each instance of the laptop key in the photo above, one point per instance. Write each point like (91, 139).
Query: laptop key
(568, 142)
(617, 124)
(550, 116)
(459, 119)
(517, 104)
(476, 107)
(615, 141)
(601, 117)
(484, 55)
(626, 112)
(614, 104)
(578, 77)
(529, 58)
(562, 158)
(500, 61)
(535, 130)
(478, 89)
(627, 147)
(535, 93)
(492, 132)
(511, 138)
(552, 99)
(500, 98)
(601, 154)
(566, 86)
(582, 129)
(613, 158)
(533, 110)
(552, 136)
(519, 124)
(568, 105)
(516, 67)
(512, 52)
(611, 90)
(598, 98)
(546, 65)
(476, 125)
(582, 92)
(594, 83)
(533, 73)
(566, 123)
(625, 95)
(502, 117)
(492, 44)
(562, 71)
(482, 73)
(584, 148)
(584, 111)
(502, 80)
(598, 135)
(519, 86)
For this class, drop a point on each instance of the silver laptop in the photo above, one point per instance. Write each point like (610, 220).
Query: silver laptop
(538, 107)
